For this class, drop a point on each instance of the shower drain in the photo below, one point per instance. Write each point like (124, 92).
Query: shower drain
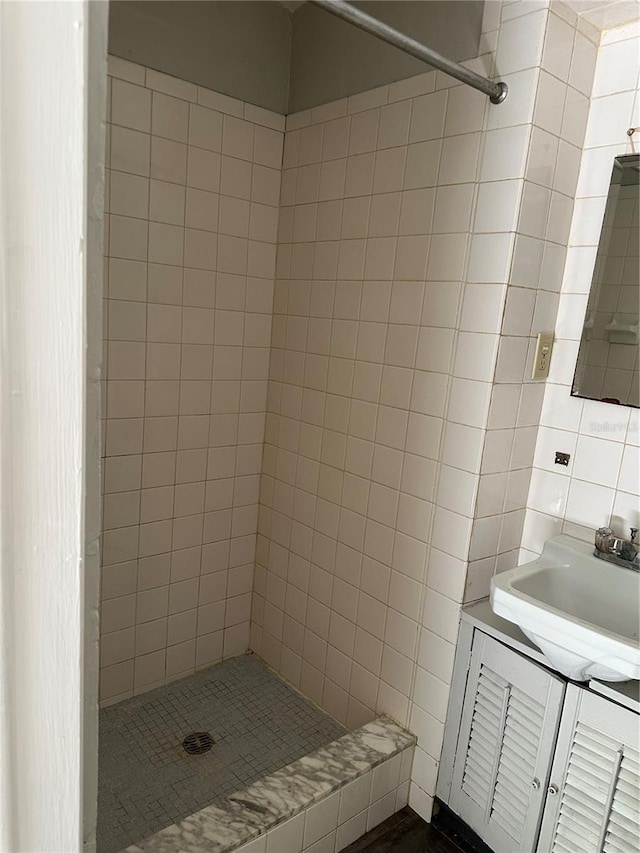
(196, 743)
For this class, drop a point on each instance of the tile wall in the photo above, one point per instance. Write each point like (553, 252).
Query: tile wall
(601, 484)
(193, 185)
(556, 108)
(421, 248)
(377, 194)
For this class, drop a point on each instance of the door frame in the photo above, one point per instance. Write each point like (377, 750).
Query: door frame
(53, 103)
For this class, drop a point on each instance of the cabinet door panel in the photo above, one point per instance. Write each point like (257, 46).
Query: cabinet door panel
(510, 719)
(597, 776)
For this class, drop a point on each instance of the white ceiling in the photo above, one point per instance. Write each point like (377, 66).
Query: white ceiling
(607, 14)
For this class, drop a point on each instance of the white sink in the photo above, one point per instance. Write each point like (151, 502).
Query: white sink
(583, 613)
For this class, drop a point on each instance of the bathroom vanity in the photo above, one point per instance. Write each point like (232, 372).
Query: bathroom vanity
(533, 761)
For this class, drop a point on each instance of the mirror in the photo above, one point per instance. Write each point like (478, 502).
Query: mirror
(607, 365)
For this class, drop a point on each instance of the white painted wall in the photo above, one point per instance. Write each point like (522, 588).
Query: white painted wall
(49, 164)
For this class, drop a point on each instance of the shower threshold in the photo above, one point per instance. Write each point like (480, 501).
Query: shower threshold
(148, 781)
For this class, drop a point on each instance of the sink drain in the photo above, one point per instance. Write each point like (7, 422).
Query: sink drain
(196, 743)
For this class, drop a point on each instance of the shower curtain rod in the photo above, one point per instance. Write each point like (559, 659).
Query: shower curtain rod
(497, 92)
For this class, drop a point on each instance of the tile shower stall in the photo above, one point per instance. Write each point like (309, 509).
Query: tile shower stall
(319, 427)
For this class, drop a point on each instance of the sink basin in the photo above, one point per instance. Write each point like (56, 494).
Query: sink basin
(583, 613)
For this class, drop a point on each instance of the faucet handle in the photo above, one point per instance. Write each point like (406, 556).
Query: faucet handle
(634, 533)
(603, 539)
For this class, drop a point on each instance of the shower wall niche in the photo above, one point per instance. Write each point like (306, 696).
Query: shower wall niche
(193, 184)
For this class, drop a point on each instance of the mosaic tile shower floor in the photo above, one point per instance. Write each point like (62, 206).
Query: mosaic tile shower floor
(147, 781)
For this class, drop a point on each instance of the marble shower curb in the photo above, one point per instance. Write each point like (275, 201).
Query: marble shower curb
(263, 808)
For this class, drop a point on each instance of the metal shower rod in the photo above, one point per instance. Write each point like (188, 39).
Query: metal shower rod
(497, 92)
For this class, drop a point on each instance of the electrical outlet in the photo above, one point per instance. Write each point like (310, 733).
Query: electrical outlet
(542, 357)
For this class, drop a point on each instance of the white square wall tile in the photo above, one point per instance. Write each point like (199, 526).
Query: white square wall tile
(505, 153)
(321, 819)
(381, 810)
(420, 801)
(222, 103)
(465, 110)
(171, 85)
(476, 355)
(130, 150)
(169, 117)
(447, 255)
(606, 115)
(430, 732)
(519, 106)
(128, 238)
(451, 532)
(441, 615)
(326, 844)
(459, 158)
(457, 490)
(490, 257)
(405, 764)
(549, 109)
(351, 830)
(633, 428)
(394, 124)
(258, 845)
(402, 796)
(551, 440)
(558, 46)
(597, 460)
(354, 798)
(469, 402)
(616, 68)
(453, 208)
(599, 421)
(583, 63)
(122, 69)
(205, 128)
(130, 106)
(386, 777)
(436, 655)
(129, 195)
(548, 492)
(629, 480)
(168, 160)
(520, 42)
(427, 117)
(425, 770)
(589, 504)
(287, 838)
(497, 207)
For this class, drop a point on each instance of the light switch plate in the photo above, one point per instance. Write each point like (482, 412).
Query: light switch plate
(542, 358)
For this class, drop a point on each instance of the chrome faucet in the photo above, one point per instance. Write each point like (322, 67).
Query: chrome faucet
(622, 552)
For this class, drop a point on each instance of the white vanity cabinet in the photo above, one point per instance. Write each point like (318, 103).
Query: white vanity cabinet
(534, 763)
(508, 729)
(593, 801)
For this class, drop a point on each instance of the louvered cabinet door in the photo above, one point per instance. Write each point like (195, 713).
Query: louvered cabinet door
(509, 724)
(593, 803)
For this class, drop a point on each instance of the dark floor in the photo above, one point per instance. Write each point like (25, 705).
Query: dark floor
(406, 832)
(147, 781)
